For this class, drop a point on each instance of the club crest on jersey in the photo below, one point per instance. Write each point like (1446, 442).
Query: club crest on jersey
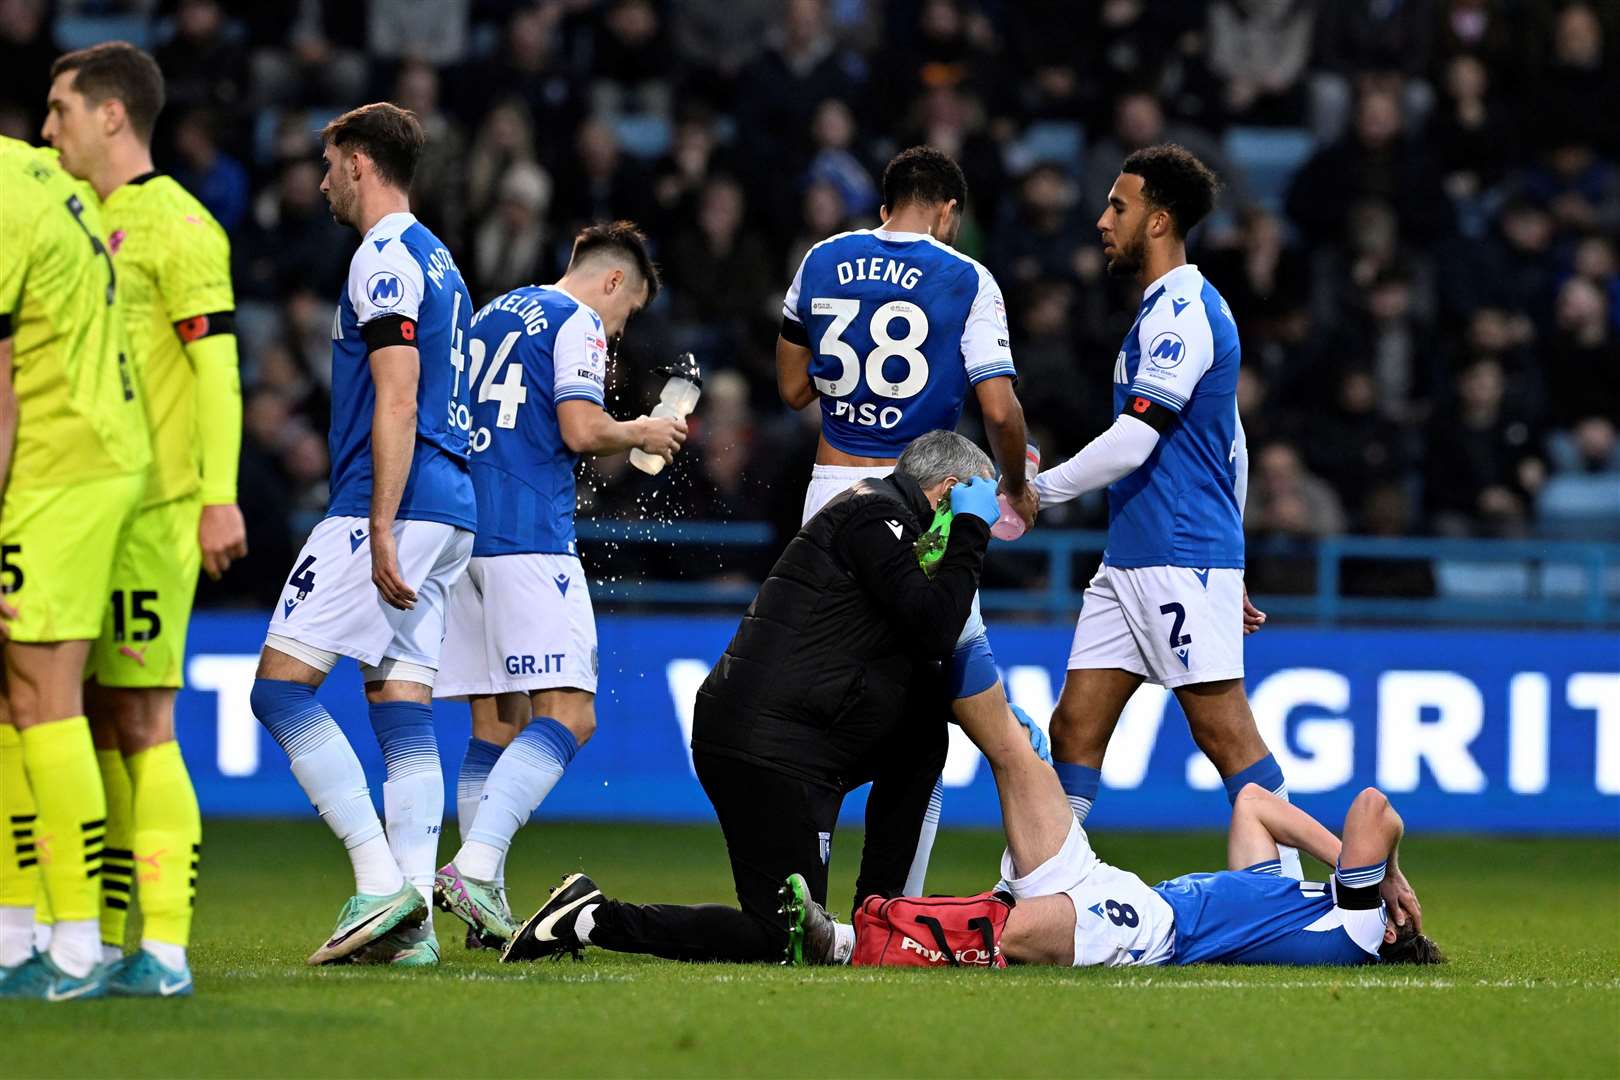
(1166, 351)
(383, 289)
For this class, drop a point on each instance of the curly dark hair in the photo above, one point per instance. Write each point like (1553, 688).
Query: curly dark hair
(1410, 947)
(924, 176)
(1173, 179)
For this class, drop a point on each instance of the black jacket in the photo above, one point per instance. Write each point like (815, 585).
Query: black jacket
(817, 678)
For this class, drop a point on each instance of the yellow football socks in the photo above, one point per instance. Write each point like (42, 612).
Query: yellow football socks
(19, 857)
(70, 828)
(117, 874)
(168, 840)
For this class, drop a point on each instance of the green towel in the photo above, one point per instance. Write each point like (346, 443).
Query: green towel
(930, 545)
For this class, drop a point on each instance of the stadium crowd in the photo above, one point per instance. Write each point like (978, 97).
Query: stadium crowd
(1420, 237)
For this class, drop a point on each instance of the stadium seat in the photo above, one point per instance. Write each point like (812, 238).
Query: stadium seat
(81, 31)
(1580, 506)
(1269, 157)
(1049, 142)
(1472, 580)
(642, 135)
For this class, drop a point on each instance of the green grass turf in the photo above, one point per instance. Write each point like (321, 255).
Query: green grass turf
(1533, 989)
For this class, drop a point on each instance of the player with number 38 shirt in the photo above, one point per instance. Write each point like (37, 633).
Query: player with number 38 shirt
(889, 327)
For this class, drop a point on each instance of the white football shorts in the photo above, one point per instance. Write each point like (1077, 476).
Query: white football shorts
(829, 481)
(1173, 624)
(330, 604)
(519, 623)
(1118, 920)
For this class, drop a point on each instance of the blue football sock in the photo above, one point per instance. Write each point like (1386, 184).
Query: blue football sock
(481, 758)
(1269, 775)
(1080, 784)
(413, 794)
(517, 785)
(325, 766)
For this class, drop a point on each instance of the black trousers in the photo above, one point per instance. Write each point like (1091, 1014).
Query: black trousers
(776, 825)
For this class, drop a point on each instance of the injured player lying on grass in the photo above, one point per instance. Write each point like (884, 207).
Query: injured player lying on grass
(1074, 909)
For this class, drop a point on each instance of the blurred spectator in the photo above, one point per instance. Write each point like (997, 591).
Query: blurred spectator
(434, 31)
(1044, 234)
(1577, 92)
(26, 55)
(1356, 37)
(1582, 358)
(293, 240)
(1139, 121)
(598, 182)
(1472, 133)
(526, 69)
(509, 249)
(206, 63)
(1285, 499)
(1377, 160)
(307, 52)
(1260, 48)
(505, 138)
(1354, 444)
(1483, 469)
(833, 134)
(218, 180)
(725, 273)
(436, 192)
(631, 62)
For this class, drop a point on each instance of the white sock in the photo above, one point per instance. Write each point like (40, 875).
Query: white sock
(843, 942)
(584, 923)
(111, 954)
(479, 860)
(331, 776)
(16, 935)
(76, 946)
(169, 955)
(413, 807)
(517, 785)
(918, 875)
(42, 937)
(1287, 857)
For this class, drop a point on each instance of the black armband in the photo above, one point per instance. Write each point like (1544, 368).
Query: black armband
(794, 332)
(1355, 897)
(5, 325)
(200, 326)
(1150, 412)
(388, 330)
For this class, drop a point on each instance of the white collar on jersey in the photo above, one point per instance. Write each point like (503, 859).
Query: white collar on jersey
(392, 224)
(554, 287)
(1166, 279)
(899, 237)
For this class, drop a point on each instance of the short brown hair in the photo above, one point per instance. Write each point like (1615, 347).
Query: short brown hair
(390, 136)
(1410, 947)
(617, 238)
(117, 69)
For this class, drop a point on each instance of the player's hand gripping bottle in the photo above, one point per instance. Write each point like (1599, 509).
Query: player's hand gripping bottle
(1010, 526)
(678, 398)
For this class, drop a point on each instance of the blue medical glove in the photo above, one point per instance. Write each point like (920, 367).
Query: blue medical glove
(976, 497)
(1037, 737)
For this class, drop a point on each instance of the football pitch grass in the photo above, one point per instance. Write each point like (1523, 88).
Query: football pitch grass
(1533, 987)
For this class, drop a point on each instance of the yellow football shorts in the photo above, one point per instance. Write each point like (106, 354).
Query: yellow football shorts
(154, 583)
(57, 546)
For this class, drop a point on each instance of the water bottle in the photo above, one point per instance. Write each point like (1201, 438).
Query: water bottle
(1010, 526)
(678, 398)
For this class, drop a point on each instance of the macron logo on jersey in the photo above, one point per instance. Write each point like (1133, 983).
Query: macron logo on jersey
(384, 289)
(1178, 306)
(1166, 351)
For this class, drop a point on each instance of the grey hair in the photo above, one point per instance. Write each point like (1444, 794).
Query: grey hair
(932, 457)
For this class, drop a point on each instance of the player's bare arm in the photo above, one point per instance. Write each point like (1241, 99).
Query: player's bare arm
(793, 377)
(588, 429)
(1261, 821)
(395, 370)
(1004, 426)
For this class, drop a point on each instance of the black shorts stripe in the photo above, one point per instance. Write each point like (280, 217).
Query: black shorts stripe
(120, 853)
(23, 864)
(111, 884)
(25, 849)
(23, 819)
(99, 823)
(116, 903)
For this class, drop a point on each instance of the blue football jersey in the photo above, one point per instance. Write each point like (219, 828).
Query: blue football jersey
(402, 269)
(1180, 507)
(899, 325)
(531, 349)
(1249, 917)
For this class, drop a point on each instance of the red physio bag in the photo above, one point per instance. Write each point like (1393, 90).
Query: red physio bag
(938, 931)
